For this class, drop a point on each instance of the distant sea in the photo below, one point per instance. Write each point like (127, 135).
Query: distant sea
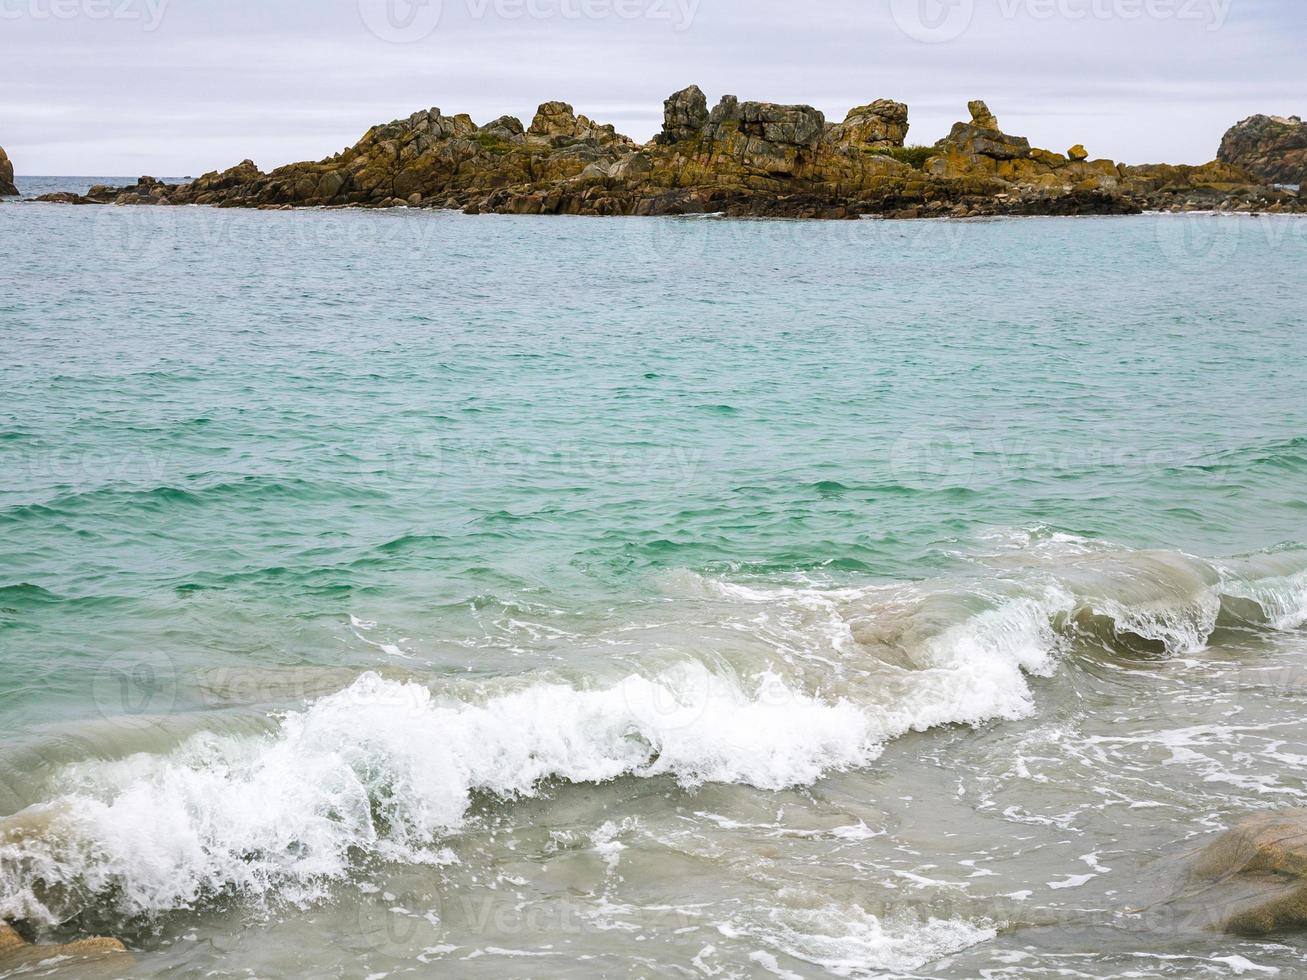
(405, 593)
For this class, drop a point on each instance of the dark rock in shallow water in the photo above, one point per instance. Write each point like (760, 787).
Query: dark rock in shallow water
(16, 953)
(1273, 148)
(7, 187)
(1252, 881)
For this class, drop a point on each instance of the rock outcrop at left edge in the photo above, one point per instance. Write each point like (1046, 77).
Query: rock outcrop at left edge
(7, 186)
(739, 158)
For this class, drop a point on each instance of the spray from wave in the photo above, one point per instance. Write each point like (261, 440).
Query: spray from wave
(390, 769)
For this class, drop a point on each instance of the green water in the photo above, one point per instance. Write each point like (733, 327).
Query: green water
(816, 485)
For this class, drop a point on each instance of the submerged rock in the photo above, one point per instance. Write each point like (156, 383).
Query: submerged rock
(1273, 148)
(7, 187)
(1252, 881)
(16, 952)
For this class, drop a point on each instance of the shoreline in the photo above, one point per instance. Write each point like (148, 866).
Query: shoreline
(689, 216)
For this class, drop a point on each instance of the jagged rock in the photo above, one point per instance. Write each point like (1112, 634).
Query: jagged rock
(881, 125)
(1251, 881)
(554, 119)
(17, 953)
(981, 117)
(1273, 148)
(977, 147)
(789, 125)
(684, 115)
(7, 187)
(752, 158)
(1078, 152)
(507, 128)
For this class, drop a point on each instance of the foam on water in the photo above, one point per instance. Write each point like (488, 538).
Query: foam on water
(848, 942)
(387, 768)
(390, 768)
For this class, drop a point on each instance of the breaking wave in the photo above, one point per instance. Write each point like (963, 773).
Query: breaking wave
(828, 676)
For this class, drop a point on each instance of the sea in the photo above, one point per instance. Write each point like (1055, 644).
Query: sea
(403, 593)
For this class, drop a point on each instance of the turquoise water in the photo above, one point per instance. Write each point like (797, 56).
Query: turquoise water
(818, 485)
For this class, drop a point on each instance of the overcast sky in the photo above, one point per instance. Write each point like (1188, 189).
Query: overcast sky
(178, 87)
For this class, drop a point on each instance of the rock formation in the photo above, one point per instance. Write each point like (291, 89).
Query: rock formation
(1270, 147)
(7, 188)
(16, 953)
(1252, 881)
(740, 158)
(881, 125)
(684, 115)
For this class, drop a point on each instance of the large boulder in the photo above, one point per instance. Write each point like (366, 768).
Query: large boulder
(684, 115)
(555, 124)
(506, 128)
(1252, 881)
(7, 188)
(1273, 148)
(789, 125)
(881, 125)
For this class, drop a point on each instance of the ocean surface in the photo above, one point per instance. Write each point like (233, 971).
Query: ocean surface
(401, 593)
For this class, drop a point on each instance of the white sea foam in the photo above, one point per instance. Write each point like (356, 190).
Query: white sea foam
(850, 942)
(390, 768)
(387, 768)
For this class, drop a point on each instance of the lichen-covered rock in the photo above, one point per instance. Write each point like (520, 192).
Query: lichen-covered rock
(1252, 881)
(742, 158)
(977, 147)
(981, 117)
(684, 115)
(507, 128)
(787, 125)
(7, 187)
(1273, 148)
(881, 125)
(1078, 152)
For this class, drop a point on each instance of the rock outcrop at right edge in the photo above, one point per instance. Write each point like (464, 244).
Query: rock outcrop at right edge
(7, 187)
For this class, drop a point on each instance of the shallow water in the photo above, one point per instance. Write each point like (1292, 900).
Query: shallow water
(392, 592)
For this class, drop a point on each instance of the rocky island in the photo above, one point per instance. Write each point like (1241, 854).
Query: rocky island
(738, 159)
(7, 188)
(1270, 147)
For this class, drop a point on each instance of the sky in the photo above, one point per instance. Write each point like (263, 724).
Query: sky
(175, 88)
